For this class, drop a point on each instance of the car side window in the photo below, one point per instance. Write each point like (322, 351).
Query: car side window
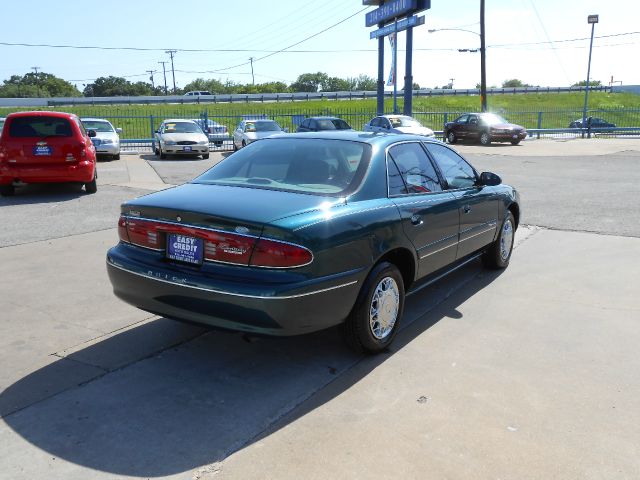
(462, 119)
(375, 122)
(456, 171)
(384, 122)
(473, 120)
(415, 169)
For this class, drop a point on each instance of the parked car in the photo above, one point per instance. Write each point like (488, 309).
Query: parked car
(249, 131)
(2, 119)
(107, 139)
(301, 232)
(397, 124)
(216, 132)
(318, 124)
(181, 137)
(197, 93)
(46, 147)
(592, 122)
(484, 128)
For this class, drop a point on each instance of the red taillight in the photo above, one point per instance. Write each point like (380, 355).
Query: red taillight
(122, 229)
(145, 233)
(227, 247)
(270, 253)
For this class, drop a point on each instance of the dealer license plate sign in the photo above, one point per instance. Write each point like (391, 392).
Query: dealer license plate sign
(187, 149)
(42, 150)
(182, 248)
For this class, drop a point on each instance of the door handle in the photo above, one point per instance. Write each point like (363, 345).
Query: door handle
(416, 220)
(466, 209)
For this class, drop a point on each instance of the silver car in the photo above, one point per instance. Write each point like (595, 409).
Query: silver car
(251, 130)
(107, 139)
(216, 132)
(397, 124)
(181, 137)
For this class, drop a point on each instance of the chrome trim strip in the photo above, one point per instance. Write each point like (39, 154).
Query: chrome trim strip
(492, 224)
(259, 297)
(479, 233)
(167, 222)
(439, 250)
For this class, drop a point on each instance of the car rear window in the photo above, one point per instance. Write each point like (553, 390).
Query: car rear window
(314, 166)
(37, 126)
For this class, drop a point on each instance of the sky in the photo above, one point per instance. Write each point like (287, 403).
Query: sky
(540, 42)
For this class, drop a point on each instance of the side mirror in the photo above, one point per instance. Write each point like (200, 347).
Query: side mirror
(118, 130)
(489, 179)
(91, 133)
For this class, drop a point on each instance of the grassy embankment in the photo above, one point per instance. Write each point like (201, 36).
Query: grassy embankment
(558, 110)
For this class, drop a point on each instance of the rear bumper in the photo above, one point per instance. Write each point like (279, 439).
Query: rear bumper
(109, 149)
(82, 172)
(246, 304)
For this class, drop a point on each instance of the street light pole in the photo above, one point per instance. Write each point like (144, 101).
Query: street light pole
(483, 62)
(592, 19)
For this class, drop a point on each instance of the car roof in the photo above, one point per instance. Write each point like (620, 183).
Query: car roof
(42, 113)
(379, 139)
(391, 115)
(325, 118)
(176, 120)
(92, 119)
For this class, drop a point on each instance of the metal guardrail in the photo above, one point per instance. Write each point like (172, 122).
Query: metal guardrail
(274, 97)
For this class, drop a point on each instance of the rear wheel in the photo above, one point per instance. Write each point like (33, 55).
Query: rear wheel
(205, 156)
(451, 137)
(375, 319)
(499, 253)
(116, 156)
(485, 138)
(7, 190)
(515, 142)
(92, 186)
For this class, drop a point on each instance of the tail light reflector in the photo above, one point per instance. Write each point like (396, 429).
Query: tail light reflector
(122, 229)
(271, 253)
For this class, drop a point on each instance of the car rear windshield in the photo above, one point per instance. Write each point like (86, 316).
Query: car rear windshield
(492, 119)
(315, 166)
(404, 122)
(333, 124)
(37, 126)
(97, 126)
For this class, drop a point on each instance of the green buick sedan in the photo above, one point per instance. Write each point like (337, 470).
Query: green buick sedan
(301, 232)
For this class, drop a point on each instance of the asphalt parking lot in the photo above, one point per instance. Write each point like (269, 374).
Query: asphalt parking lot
(528, 373)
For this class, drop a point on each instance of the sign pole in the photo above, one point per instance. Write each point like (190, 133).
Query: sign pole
(592, 19)
(395, 67)
(407, 109)
(380, 107)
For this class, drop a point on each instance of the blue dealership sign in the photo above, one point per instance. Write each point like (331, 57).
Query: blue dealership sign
(401, 25)
(388, 11)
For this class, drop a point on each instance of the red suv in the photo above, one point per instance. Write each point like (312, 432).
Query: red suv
(46, 147)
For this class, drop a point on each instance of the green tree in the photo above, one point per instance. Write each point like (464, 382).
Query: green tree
(365, 82)
(309, 82)
(117, 87)
(336, 84)
(39, 84)
(514, 82)
(592, 83)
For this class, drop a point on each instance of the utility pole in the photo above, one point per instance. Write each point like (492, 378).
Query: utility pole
(164, 72)
(173, 72)
(253, 80)
(151, 72)
(35, 69)
(483, 62)
(592, 19)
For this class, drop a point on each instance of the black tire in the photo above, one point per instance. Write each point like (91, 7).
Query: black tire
(116, 156)
(235, 147)
(162, 154)
(485, 138)
(451, 137)
(365, 333)
(244, 144)
(515, 142)
(7, 190)
(499, 253)
(92, 186)
(205, 156)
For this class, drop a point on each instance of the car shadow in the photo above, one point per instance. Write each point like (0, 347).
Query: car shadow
(197, 403)
(44, 193)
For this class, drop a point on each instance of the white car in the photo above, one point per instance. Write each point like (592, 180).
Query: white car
(181, 137)
(107, 139)
(397, 124)
(249, 131)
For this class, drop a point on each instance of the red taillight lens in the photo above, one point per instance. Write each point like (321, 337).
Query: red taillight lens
(269, 253)
(122, 230)
(227, 247)
(144, 233)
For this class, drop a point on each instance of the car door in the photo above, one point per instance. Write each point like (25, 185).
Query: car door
(429, 213)
(459, 126)
(473, 128)
(478, 206)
